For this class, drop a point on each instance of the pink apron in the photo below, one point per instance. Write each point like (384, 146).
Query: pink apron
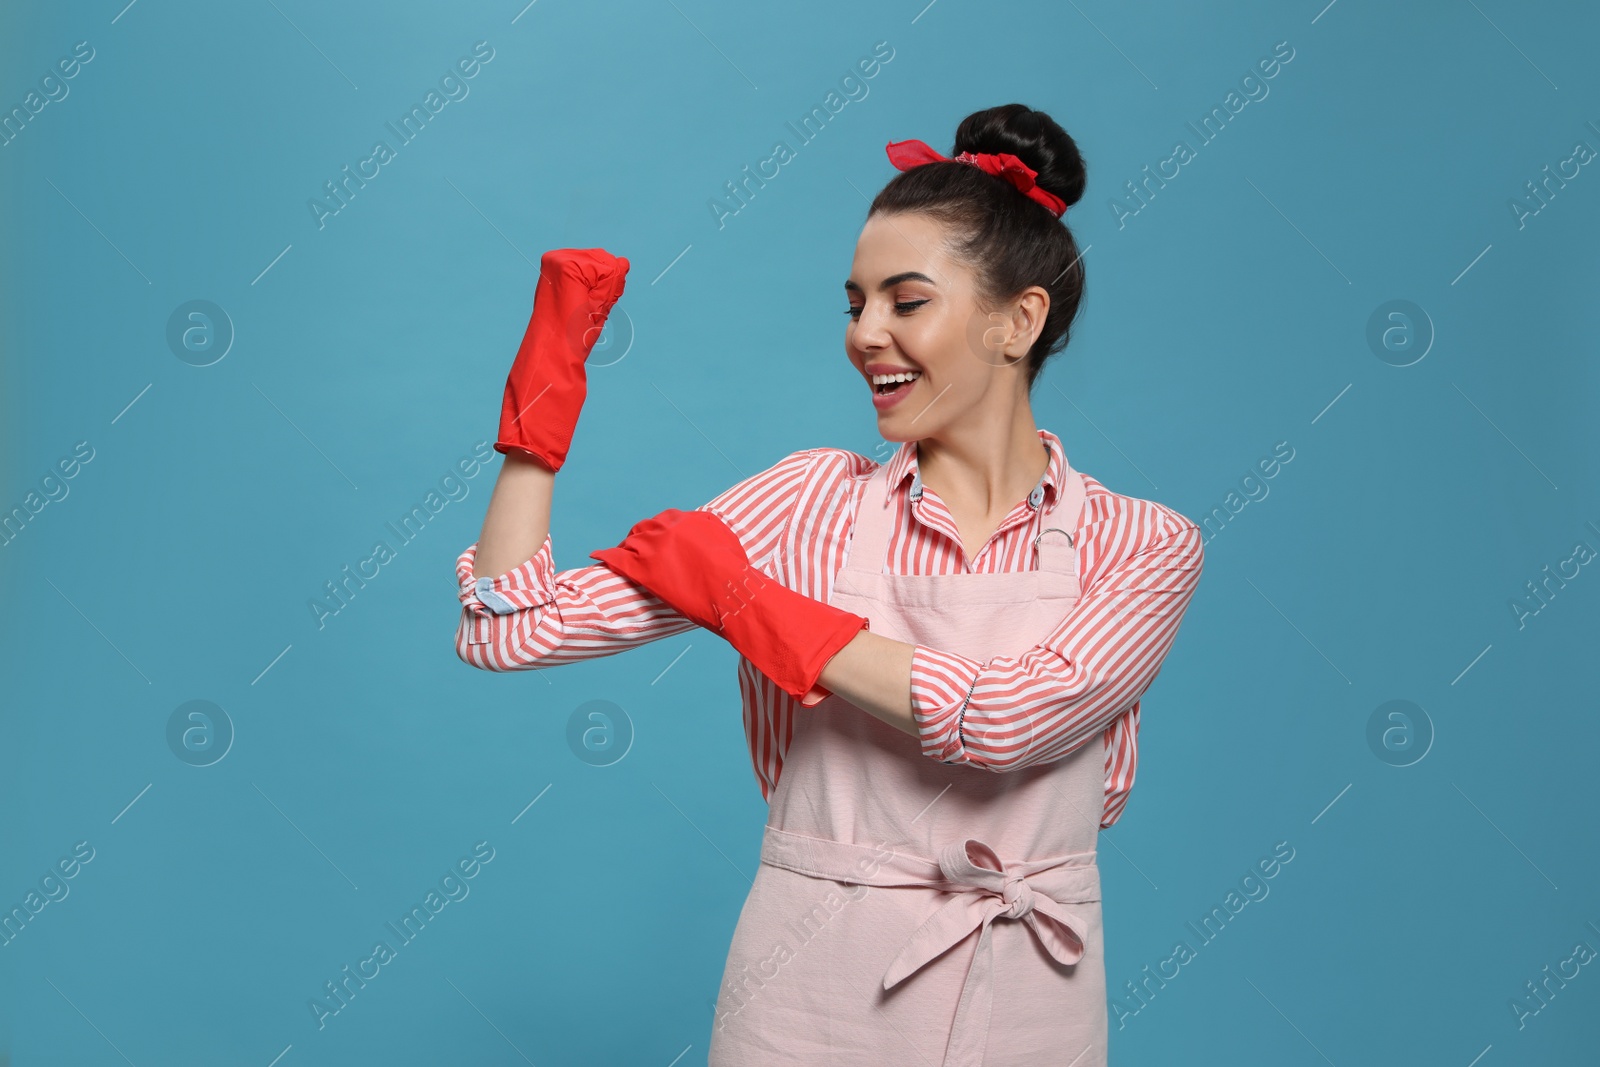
(908, 911)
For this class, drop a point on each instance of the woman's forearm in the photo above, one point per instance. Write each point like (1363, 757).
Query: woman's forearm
(873, 672)
(518, 519)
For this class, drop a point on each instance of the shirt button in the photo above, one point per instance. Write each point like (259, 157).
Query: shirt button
(1036, 497)
(916, 486)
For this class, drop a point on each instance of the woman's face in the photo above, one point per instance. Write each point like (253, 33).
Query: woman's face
(913, 309)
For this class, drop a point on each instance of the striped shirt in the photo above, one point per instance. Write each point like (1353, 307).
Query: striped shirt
(1138, 565)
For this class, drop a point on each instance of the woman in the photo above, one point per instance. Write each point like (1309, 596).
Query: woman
(941, 655)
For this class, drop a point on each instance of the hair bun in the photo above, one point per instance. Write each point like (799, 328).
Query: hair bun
(1033, 137)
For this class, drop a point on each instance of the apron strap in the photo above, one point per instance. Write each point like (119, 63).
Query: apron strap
(1057, 540)
(867, 553)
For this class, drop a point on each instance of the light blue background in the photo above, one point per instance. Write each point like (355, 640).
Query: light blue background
(1229, 314)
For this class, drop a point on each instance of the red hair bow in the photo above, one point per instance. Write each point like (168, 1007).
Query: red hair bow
(907, 154)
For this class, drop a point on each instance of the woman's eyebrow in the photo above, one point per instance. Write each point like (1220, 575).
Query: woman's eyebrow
(891, 280)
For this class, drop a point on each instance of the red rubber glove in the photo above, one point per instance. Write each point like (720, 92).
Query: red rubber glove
(547, 386)
(694, 562)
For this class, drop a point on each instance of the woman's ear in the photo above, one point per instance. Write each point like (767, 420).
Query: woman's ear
(1028, 315)
(1013, 330)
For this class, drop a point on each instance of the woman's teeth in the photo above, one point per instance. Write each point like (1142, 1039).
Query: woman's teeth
(881, 380)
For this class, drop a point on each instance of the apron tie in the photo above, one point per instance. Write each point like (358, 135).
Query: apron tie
(982, 888)
(1019, 895)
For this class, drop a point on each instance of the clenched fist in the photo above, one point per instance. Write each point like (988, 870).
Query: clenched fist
(547, 385)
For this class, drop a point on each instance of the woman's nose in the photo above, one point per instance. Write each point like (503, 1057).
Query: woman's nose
(868, 330)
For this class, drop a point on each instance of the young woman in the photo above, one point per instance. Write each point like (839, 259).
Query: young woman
(942, 655)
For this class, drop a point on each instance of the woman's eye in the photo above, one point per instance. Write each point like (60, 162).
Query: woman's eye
(908, 305)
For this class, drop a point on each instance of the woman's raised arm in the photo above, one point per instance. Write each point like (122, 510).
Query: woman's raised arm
(518, 520)
(509, 570)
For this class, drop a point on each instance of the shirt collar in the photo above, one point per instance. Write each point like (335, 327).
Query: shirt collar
(903, 465)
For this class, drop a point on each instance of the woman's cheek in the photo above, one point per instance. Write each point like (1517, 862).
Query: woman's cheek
(982, 338)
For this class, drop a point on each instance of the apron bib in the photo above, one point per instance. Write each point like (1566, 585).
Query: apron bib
(911, 911)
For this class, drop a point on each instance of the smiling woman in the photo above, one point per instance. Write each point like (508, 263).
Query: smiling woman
(942, 656)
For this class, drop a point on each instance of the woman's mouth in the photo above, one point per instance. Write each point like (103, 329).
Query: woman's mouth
(889, 389)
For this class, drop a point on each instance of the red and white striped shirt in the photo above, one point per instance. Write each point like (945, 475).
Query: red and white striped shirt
(1138, 565)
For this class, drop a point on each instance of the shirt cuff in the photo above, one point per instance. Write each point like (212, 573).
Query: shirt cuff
(528, 585)
(941, 686)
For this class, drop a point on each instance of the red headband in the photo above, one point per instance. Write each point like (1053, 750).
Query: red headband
(907, 154)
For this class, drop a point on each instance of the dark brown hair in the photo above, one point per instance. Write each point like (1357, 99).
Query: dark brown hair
(1010, 241)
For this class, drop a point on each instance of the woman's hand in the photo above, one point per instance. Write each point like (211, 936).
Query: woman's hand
(694, 562)
(546, 387)
(690, 559)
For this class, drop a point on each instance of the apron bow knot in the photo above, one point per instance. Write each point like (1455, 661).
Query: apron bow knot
(979, 888)
(1018, 896)
(982, 890)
